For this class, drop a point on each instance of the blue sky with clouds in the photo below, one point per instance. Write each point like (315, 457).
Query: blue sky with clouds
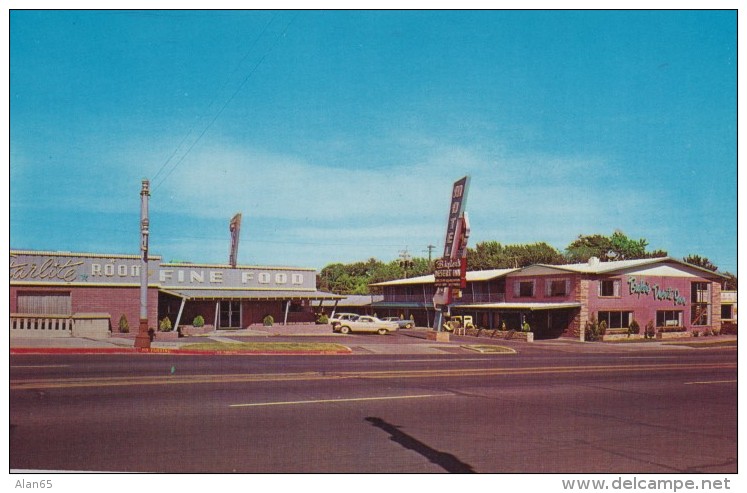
(338, 135)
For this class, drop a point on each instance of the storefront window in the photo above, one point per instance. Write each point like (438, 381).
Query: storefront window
(669, 318)
(616, 320)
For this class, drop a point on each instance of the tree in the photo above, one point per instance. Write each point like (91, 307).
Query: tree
(615, 247)
(700, 262)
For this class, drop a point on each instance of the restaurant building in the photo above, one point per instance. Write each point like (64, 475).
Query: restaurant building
(63, 294)
(559, 300)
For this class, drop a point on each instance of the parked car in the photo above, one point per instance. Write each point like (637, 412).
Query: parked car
(365, 323)
(402, 323)
(339, 317)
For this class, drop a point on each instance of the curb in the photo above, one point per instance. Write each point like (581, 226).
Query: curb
(170, 351)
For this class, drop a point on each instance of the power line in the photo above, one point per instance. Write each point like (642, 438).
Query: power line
(228, 101)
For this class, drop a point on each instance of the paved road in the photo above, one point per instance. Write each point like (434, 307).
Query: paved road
(545, 409)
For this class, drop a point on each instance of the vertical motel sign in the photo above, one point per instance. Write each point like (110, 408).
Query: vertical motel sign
(451, 269)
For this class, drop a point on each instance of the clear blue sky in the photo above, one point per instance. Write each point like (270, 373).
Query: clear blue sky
(338, 135)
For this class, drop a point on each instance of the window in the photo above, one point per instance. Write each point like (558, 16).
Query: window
(44, 303)
(700, 295)
(524, 289)
(609, 288)
(726, 312)
(701, 292)
(669, 318)
(616, 320)
(557, 287)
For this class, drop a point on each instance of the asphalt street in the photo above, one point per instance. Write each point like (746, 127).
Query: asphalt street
(547, 408)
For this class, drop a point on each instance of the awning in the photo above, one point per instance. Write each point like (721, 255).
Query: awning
(401, 304)
(518, 306)
(246, 294)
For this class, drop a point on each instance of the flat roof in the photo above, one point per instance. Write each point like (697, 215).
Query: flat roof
(247, 294)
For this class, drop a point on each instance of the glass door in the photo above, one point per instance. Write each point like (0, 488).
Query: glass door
(230, 315)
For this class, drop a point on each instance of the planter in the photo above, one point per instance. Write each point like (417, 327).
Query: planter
(673, 335)
(170, 335)
(191, 330)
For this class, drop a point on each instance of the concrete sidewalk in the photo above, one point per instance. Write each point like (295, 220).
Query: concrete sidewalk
(417, 342)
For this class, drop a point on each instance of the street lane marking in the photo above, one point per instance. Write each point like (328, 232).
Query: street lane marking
(25, 384)
(39, 366)
(353, 399)
(709, 382)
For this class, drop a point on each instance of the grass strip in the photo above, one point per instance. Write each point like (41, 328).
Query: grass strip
(269, 347)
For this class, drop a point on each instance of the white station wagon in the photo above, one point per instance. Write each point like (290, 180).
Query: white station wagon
(365, 323)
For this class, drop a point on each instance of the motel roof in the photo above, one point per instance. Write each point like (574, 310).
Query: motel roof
(475, 275)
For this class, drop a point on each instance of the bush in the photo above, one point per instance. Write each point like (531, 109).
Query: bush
(650, 331)
(164, 325)
(593, 331)
(634, 328)
(198, 321)
(696, 333)
(124, 325)
(322, 319)
(268, 321)
(526, 327)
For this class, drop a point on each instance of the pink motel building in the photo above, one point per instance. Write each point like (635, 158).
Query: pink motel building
(559, 300)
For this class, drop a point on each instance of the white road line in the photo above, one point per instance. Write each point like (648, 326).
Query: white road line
(322, 401)
(710, 382)
(39, 366)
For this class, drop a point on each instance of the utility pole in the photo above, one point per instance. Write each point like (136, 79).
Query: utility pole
(430, 252)
(142, 340)
(406, 260)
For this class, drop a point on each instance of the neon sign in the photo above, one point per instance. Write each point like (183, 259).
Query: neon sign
(642, 287)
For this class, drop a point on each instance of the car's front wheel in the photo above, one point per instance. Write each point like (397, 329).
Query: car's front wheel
(382, 332)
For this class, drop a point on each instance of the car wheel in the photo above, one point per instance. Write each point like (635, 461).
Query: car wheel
(408, 326)
(382, 332)
(344, 330)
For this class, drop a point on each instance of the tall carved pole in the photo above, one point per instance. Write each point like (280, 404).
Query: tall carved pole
(143, 338)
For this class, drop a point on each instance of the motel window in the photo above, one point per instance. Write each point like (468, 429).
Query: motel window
(44, 303)
(669, 318)
(726, 312)
(557, 287)
(609, 288)
(524, 289)
(616, 320)
(700, 295)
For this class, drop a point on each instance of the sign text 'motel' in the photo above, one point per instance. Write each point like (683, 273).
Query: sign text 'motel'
(458, 195)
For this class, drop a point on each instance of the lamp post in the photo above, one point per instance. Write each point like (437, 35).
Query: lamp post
(142, 340)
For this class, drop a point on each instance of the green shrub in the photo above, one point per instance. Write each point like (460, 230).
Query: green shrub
(198, 321)
(593, 330)
(526, 327)
(124, 325)
(650, 331)
(268, 321)
(322, 319)
(164, 325)
(634, 328)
